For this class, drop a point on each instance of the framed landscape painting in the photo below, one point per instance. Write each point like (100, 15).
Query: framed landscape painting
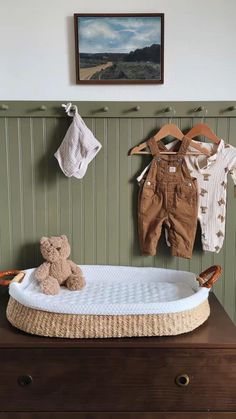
(120, 48)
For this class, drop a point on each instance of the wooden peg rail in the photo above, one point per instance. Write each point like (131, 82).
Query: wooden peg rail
(167, 110)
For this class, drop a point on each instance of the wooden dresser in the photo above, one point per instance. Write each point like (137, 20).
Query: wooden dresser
(191, 376)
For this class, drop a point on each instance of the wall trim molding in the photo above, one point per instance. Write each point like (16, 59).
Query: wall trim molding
(121, 109)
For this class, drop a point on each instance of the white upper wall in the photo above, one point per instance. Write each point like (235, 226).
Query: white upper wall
(37, 50)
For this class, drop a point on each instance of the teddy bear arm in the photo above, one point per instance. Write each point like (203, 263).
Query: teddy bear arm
(75, 269)
(42, 272)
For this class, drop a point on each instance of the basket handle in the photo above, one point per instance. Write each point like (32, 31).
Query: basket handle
(215, 270)
(18, 276)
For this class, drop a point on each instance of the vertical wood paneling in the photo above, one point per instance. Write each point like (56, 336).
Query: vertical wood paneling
(77, 217)
(51, 166)
(15, 188)
(125, 201)
(101, 193)
(113, 167)
(6, 245)
(230, 245)
(38, 162)
(98, 212)
(89, 209)
(27, 193)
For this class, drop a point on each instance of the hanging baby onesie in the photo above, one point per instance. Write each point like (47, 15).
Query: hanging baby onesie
(77, 149)
(168, 197)
(211, 174)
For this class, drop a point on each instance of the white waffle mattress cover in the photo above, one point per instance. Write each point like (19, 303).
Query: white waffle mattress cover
(120, 290)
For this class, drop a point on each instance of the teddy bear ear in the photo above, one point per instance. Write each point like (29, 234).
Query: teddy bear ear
(64, 237)
(43, 239)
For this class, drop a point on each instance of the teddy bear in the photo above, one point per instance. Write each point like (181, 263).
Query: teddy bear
(58, 270)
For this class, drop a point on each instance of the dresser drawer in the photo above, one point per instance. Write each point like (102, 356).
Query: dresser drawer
(112, 379)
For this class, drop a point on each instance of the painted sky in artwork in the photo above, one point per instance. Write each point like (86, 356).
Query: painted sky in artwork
(118, 34)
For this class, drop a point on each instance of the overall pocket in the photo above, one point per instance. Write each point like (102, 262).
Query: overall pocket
(187, 193)
(146, 195)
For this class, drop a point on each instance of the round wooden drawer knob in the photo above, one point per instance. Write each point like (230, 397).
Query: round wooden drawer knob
(182, 380)
(24, 380)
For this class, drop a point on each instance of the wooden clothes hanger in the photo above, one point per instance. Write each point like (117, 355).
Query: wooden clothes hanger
(174, 131)
(204, 130)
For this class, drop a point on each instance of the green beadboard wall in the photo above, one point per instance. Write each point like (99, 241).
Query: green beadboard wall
(97, 213)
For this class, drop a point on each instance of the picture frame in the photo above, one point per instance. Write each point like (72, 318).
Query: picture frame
(119, 48)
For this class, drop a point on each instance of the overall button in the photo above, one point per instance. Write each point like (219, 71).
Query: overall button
(148, 183)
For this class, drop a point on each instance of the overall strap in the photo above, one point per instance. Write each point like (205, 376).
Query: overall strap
(152, 144)
(184, 146)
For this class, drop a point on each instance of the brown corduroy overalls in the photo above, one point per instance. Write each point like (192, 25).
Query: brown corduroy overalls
(168, 196)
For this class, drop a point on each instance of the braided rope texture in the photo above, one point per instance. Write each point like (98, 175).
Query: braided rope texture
(44, 323)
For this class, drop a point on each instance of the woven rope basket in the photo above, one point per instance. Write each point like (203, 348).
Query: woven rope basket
(68, 325)
(97, 326)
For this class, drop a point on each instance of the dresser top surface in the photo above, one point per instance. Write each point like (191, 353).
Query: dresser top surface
(217, 332)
